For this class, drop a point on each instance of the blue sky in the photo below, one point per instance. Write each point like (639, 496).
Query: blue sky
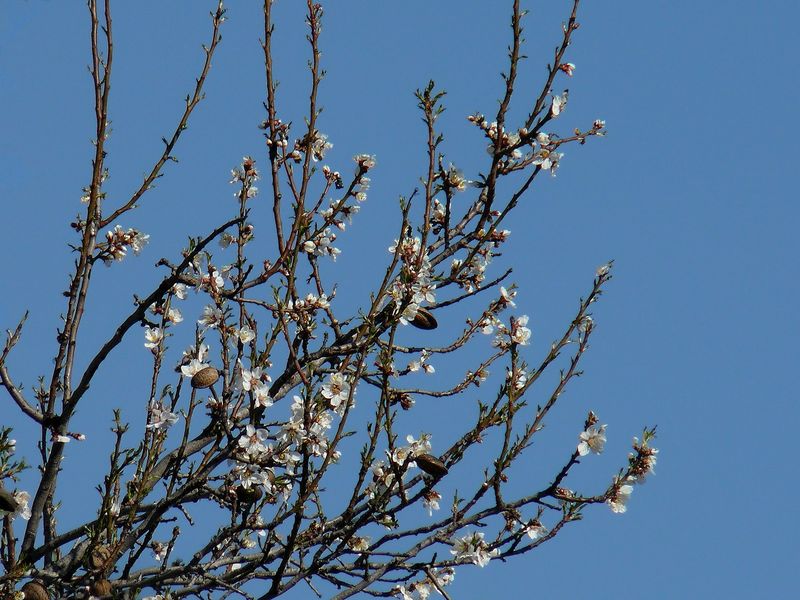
(692, 194)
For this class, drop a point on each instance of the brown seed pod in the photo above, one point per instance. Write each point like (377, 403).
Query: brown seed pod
(205, 378)
(431, 465)
(99, 557)
(249, 495)
(101, 588)
(34, 590)
(424, 320)
(7, 501)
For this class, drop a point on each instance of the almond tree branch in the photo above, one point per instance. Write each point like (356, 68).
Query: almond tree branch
(217, 17)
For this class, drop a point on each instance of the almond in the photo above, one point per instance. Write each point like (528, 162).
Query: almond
(424, 320)
(99, 557)
(34, 590)
(101, 588)
(205, 378)
(431, 465)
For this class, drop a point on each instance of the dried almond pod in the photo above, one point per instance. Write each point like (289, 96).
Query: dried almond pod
(7, 501)
(205, 378)
(101, 588)
(431, 465)
(34, 590)
(99, 557)
(249, 495)
(424, 319)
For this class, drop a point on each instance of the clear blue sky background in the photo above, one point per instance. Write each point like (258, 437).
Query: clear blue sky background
(693, 194)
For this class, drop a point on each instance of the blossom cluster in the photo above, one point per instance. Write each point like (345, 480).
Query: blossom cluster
(472, 548)
(399, 460)
(302, 310)
(16, 504)
(160, 417)
(641, 463)
(519, 332)
(332, 177)
(255, 463)
(421, 363)
(308, 424)
(117, 243)
(321, 244)
(256, 382)
(194, 360)
(320, 241)
(454, 179)
(471, 273)
(422, 590)
(511, 146)
(315, 143)
(414, 285)
(246, 173)
(155, 335)
(278, 136)
(337, 391)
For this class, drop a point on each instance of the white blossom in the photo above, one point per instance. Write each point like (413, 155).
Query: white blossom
(559, 102)
(431, 502)
(404, 593)
(414, 447)
(252, 440)
(252, 475)
(520, 334)
(319, 146)
(365, 161)
(198, 353)
(159, 550)
(592, 440)
(212, 316)
(535, 530)
(152, 336)
(548, 160)
(213, 280)
(245, 334)
(249, 378)
(118, 241)
(516, 380)
(645, 457)
(161, 418)
(472, 547)
(336, 390)
(193, 367)
(174, 315)
(23, 508)
(261, 395)
(139, 241)
(179, 290)
(506, 297)
(421, 363)
(358, 543)
(618, 501)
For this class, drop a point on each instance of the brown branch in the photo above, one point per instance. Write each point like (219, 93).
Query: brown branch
(191, 102)
(70, 403)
